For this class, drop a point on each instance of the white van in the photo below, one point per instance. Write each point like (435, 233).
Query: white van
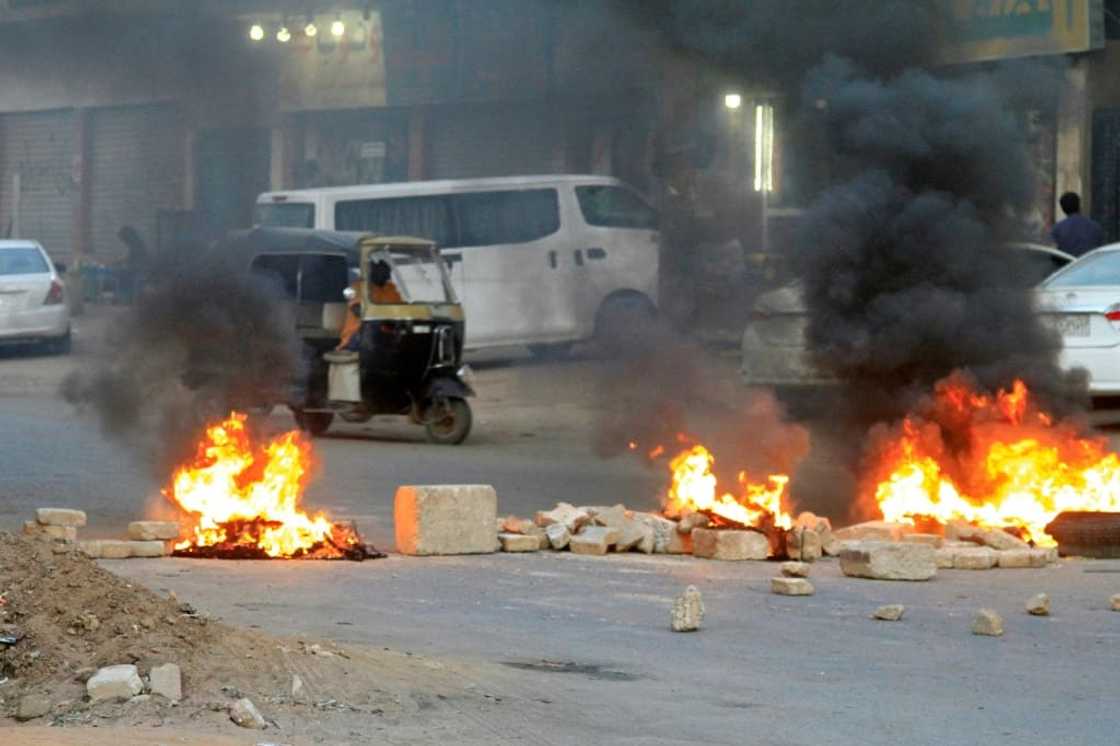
(536, 260)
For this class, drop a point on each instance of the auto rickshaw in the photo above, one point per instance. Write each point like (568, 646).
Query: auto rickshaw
(405, 355)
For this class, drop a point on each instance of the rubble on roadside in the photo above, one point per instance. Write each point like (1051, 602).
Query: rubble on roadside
(1038, 605)
(988, 623)
(146, 539)
(785, 586)
(889, 613)
(687, 611)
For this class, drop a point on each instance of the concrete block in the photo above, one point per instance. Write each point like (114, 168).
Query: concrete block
(889, 612)
(1016, 558)
(679, 543)
(791, 587)
(872, 531)
(36, 530)
(987, 622)
(166, 681)
(570, 516)
(663, 530)
(731, 545)
(445, 519)
(944, 558)
(933, 540)
(245, 713)
(595, 540)
(519, 542)
(989, 537)
(106, 549)
(888, 561)
(558, 535)
(114, 683)
(148, 549)
(687, 611)
(1038, 605)
(635, 535)
(153, 530)
(803, 544)
(979, 558)
(60, 517)
(796, 569)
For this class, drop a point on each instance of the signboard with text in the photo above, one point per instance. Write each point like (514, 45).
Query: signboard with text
(984, 30)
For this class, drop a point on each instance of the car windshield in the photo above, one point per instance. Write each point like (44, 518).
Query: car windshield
(22, 261)
(1093, 270)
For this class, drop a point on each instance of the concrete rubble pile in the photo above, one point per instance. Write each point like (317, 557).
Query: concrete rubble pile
(600, 530)
(145, 538)
(893, 551)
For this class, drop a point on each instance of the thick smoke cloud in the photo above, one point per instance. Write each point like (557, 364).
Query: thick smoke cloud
(904, 271)
(663, 390)
(205, 337)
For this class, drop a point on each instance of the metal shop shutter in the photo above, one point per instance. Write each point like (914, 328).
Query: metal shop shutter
(493, 141)
(136, 170)
(39, 146)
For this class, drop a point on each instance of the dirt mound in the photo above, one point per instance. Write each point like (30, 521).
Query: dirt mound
(70, 616)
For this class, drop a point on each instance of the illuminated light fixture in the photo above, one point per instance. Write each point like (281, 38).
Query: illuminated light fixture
(764, 148)
(311, 30)
(338, 28)
(733, 101)
(283, 35)
(256, 32)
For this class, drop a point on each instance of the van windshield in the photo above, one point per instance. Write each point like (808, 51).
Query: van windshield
(285, 215)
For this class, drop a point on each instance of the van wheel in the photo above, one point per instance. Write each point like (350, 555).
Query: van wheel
(315, 423)
(623, 324)
(453, 423)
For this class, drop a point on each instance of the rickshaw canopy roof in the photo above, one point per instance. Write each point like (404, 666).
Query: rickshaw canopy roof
(256, 241)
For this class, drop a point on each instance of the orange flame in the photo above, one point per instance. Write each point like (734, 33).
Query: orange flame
(246, 495)
(695, 488)
(996, 462)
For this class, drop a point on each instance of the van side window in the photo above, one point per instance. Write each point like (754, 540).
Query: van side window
(615, 207)
(426, 217)
(490, 218)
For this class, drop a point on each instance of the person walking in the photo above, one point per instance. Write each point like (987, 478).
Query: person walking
(1076, 234)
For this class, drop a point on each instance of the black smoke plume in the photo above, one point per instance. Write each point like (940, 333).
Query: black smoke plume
(203, 337)
(905, 270)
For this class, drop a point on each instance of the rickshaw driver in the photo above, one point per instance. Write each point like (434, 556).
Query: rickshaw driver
(382, 290)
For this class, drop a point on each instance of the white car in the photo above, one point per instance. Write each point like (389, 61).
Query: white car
(774, 352)
(1083, 303)
(32, 298)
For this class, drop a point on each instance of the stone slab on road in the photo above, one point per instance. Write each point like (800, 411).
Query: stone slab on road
(446, 519)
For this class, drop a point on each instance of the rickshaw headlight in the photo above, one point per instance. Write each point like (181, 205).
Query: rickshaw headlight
(466, 375)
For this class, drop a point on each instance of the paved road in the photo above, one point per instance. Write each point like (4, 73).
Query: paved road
(578, 649)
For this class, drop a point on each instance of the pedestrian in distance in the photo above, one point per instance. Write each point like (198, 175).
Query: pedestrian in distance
(1076, 234)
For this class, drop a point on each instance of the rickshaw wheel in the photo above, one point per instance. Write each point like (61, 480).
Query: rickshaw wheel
(454, 427)
(315, 423)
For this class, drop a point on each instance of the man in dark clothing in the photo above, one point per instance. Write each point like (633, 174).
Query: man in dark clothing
(1076, 234)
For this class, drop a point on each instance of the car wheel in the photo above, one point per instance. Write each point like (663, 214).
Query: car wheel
(315, 423)
(61, 345)
(453, 427)
(623, 324)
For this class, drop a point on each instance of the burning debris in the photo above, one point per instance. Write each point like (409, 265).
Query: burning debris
(245, 497)
(994, 461)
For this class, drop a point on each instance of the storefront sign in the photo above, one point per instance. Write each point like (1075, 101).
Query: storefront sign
(981, 30)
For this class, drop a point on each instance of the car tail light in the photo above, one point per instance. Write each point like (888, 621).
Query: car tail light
(55, 295)
(1112, 313)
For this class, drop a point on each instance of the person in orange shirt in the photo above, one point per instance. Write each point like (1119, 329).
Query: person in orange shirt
(382, 290)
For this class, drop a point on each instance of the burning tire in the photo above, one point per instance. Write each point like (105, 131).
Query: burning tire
(452, 426)
(315, 423)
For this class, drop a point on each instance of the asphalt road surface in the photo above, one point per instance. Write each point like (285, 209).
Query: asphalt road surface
(578, 649)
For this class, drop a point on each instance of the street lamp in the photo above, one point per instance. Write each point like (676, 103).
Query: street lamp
(732, 101)
(256, 32)
(283, 35)
(338, 28)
